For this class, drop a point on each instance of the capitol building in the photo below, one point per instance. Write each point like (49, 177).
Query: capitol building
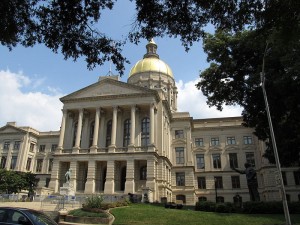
(128, 137)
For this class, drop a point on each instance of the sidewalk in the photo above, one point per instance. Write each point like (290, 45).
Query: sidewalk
(36, 205)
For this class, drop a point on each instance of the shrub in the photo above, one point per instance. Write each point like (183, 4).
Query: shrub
(93, 202)
(205, 206)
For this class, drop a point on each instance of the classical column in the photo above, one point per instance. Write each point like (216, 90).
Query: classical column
(54, 182)
(114, 129)
(90, 182)
(152, 106)
(132, 129)
(129, 184)
(79, 129)
(109, 187)
(62, 131)
(96, 131)
(151, 173)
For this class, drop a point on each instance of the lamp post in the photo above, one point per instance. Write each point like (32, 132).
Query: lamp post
(284, 200)
(216, 190)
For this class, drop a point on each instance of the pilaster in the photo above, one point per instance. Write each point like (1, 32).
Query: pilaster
(129, 184)
(110, 178)
(90, 183)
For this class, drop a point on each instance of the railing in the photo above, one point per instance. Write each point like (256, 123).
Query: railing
(122, 149)
(84, 150)
(103, 150)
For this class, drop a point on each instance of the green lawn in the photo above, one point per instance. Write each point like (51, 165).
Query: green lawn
(140, 214)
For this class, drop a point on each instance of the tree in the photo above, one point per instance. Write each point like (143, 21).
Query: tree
(234, 78)
(66, 26)
(15, 182)
(71, 26)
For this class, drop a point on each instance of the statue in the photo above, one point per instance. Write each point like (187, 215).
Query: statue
(68, 176)
(251, 181)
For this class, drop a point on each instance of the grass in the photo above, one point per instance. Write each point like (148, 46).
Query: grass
(81, 213)
(141, 214)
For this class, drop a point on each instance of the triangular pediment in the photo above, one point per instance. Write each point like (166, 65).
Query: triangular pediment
(107, 87)
(10, 129)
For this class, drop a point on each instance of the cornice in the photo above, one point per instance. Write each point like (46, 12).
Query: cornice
(110, 97)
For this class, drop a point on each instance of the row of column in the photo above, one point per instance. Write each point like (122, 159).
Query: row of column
(109, 187)
(96, 127)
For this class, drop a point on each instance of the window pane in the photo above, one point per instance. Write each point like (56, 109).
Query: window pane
(250, 158)
(180, 179)
(247, 140)
(201, 183)
(200, 161)
(218, 182)
(214, 141)
(199, 142)
(179, 155)
(216, 161)
(179, 134)
(235, 181)
(145, 131)
(231, 141)
(233, 160)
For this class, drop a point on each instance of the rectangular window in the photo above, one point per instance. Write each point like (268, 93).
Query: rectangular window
(42, 148)
(199, 142)
(214, 141)
(284, 178)
(250, 158)
(231, 141)
(13, 162)
(28, 164)
(6, 145)
(53, 148)
(47, 182)
(179, 155)
(180, 179)
(235, 181)
(201, 183)
(216, 161)
(50, 166)
(297, 177)
(247, 140)
(200, 161)
(179, 134)
(31, 148)
(39, 165)
(233, 160)
(218, 182)
(3, 162)
(17, 145)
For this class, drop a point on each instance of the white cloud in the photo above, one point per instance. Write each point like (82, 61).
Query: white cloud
(191, 100)
(28, 108)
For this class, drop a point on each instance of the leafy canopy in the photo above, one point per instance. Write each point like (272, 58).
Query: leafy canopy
(234, 78)
(71, 26)
(14, 181)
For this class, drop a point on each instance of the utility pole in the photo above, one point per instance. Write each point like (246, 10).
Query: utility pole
(284, 200)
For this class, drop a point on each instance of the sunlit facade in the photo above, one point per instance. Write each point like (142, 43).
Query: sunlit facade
(119, 138)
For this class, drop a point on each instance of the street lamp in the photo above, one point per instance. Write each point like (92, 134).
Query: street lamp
(285, 205)
(216, 190)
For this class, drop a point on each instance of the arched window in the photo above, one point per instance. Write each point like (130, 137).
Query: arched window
(92, 126)
(181, 197)
(143, 173)
(202, 199)
(126, 135)
(145, 130)
(108, 133)
(74, 133)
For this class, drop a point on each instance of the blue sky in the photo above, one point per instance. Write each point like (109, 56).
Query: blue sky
(33, 79)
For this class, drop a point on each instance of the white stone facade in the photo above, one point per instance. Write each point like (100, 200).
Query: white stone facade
(119, 138)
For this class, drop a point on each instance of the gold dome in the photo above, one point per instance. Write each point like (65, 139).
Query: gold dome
(151, 62)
